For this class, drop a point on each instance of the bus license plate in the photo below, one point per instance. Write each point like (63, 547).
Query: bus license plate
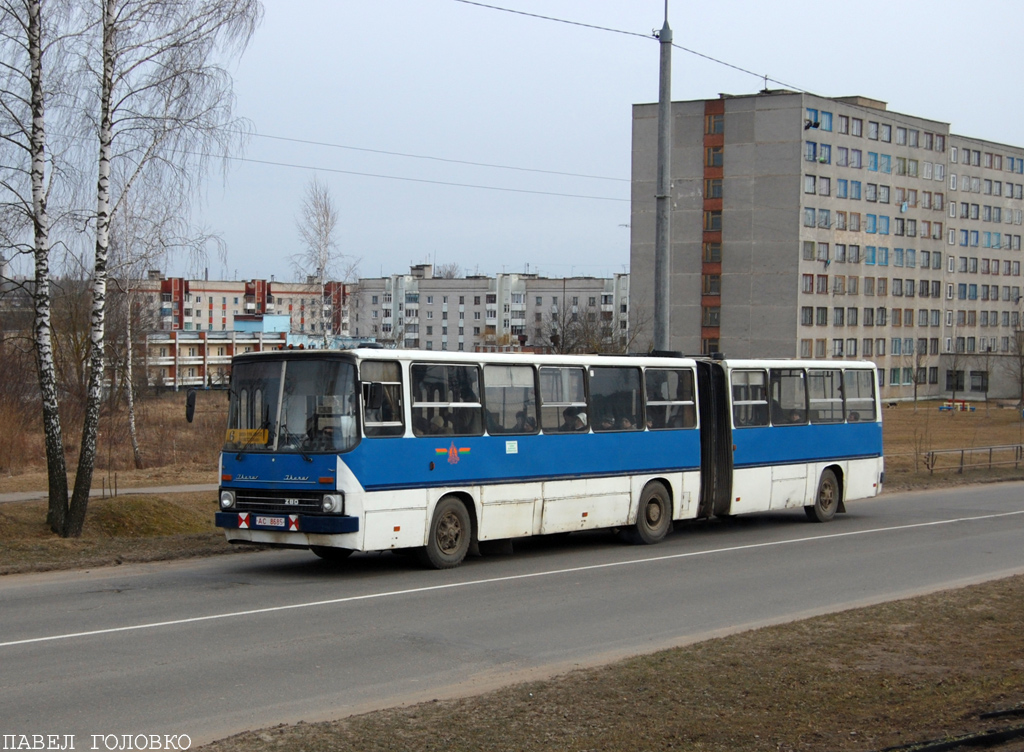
(271, 522)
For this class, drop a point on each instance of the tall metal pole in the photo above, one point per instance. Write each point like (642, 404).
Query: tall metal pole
(663, 195)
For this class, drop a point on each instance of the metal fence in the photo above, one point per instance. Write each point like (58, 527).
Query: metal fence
(973, 458)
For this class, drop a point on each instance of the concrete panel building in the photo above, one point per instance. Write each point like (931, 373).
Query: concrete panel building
(179, 304)
(418, 310)
(805, 226)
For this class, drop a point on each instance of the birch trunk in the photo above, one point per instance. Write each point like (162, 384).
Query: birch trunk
(90, 427)
(130, 395)
(56, 468)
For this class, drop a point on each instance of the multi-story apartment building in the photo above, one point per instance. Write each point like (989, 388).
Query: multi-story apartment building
(805, 226)
(420, 310)
(203, 357)
(179, 304)
(197, 326)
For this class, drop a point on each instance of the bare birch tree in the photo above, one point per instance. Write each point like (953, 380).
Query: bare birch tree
(149, 227)
(320, 260)
(32, 38)
(317, 223)
(162, 106)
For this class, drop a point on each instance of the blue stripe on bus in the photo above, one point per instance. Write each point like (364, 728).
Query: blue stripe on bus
(438, 461)
(447, 461)
(451, 460)
(781, 445)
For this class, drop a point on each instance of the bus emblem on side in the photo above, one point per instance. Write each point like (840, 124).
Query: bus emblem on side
(453, 453)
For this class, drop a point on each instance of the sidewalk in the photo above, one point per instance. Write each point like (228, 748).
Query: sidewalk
(98, 492)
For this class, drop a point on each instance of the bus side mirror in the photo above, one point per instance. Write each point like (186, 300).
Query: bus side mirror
(190, 405)
(373, 395)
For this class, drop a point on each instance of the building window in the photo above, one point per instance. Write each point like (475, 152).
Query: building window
(714, 156)
(712, 284)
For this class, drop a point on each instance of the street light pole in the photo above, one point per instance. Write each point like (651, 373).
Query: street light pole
(663, 194)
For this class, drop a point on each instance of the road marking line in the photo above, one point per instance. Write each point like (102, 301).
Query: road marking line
(509, 578)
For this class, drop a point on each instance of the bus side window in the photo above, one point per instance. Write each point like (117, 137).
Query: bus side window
(563, 400)
(510, 399)
(788, 397)
(749, 398)
(825, 392)
(859, 390)
(670, 398)
(615, 399)
(387, 418)
(445, 400)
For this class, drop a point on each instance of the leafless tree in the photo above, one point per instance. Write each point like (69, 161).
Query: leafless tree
(148, 80)
(587, 329)
(449, 270)
(320, 260)
(160, 107)
(33, 46)
(956, 358)
(985, 359)
(149, 227)
(1013, 364)
(918, 360)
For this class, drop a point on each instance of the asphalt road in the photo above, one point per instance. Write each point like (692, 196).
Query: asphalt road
(211, 647)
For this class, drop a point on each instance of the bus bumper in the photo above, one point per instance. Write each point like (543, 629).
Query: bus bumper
(287, 523)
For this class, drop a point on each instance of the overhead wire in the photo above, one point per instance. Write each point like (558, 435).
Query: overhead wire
(437, 159)
(424, 180)
(653, 37)
(896, 117)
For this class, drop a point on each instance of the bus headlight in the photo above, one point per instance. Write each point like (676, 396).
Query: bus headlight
(332, 503)
(227, 499)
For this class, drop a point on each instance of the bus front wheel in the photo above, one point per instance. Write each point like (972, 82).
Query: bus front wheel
(827, 501)
(448, 538)
(654, 517)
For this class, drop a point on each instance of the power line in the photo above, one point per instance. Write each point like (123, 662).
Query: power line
(620, 31)
(896, 117)
(437, 159)
(424, 180)
(557, 20)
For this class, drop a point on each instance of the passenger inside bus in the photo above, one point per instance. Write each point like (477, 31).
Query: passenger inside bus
(574, 420)
(439, 425)
(524, 423)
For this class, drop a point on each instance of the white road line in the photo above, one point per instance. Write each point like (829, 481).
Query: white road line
(509, 578)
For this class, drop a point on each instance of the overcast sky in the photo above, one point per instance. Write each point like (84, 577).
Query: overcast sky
(447, 80)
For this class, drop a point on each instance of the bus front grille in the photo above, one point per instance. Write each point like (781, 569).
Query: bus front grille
(281, 502)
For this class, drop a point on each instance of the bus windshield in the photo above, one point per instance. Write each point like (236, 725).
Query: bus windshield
(299, 406)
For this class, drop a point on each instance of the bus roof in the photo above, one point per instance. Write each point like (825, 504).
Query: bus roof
(520, 358)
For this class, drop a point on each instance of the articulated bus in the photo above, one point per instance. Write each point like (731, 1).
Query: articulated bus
(444, 453)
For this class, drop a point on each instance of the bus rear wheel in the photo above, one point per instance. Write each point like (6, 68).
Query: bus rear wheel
(448, 536)
(827, 501)
(654, 517)
(327, 553)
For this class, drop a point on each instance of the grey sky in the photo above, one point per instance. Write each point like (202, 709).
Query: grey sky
(445, 79)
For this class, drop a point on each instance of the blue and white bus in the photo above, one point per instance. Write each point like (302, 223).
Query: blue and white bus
(444, 452)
